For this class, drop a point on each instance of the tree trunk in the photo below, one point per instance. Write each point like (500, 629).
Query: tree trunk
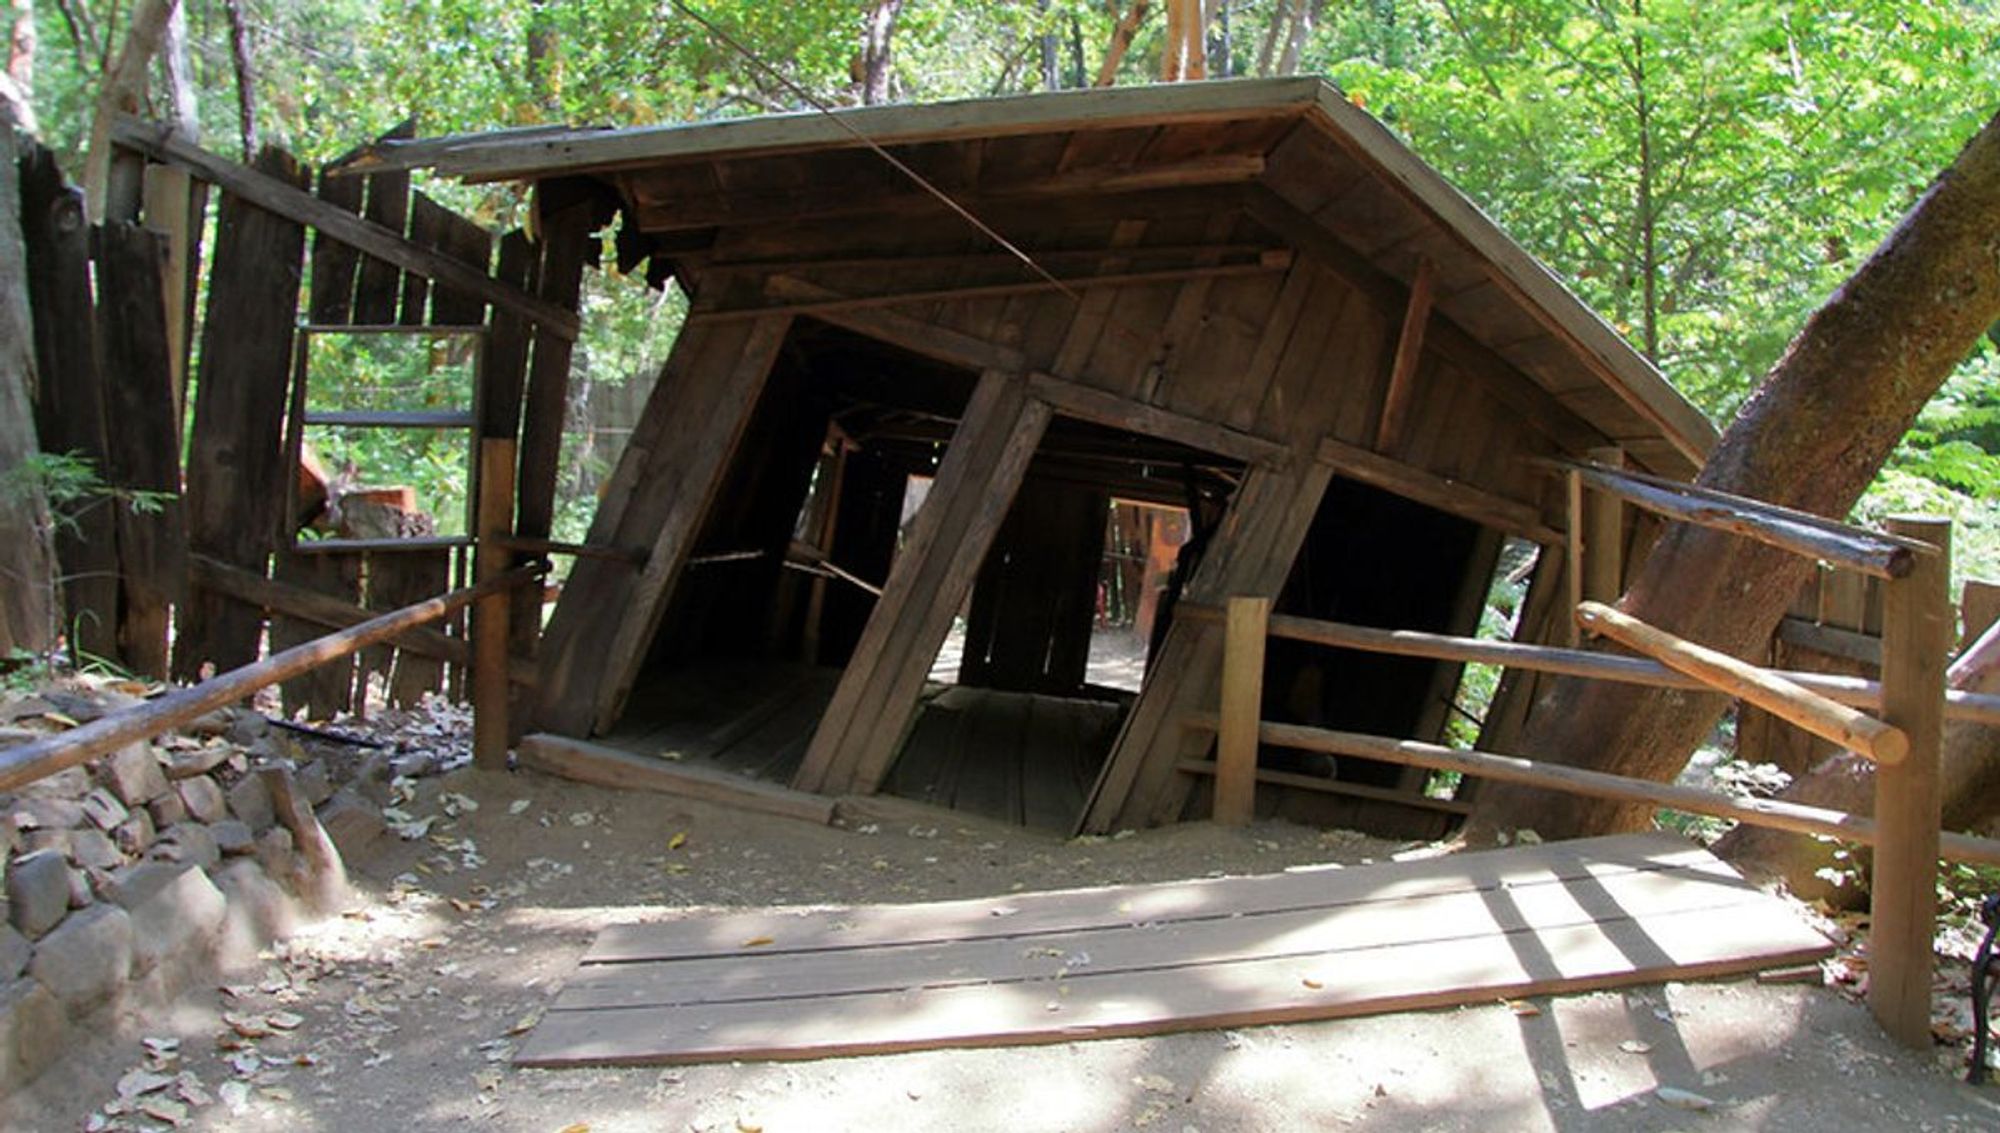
(1969, 767)
(878, 50)
(245, 60)
(27, 564)
(1812, 437)
(1121, 40)
(1297, 31)
(123, 92)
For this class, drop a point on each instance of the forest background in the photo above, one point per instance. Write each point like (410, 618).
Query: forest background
(1702, 174)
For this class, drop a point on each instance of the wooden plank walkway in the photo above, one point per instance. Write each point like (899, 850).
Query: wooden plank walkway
(1145, 959)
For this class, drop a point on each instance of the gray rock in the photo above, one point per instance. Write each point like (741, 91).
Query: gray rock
(312, 783)
(103, 809)
(135, 834)
(94, 849)
(132, 885)
(56, 840)
(133, 774)
(180, 918)
(208, 725)
(375, 781)
(247, 729)
(33, 1033)
(250, 800)
(352, 822)
(233, 837)
(200, 761)
(190, 842)
(276, 855)
(80, 895)
(83, 707)
(38, 891)
(167, 810)
(203, 799)
(259, 909)
(85, 960)
(69, 783)
(10, 836)
(14, 952)
(46, 812)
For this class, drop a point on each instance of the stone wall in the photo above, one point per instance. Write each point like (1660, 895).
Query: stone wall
(132, 875)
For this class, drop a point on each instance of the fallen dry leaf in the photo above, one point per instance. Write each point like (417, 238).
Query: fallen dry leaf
(757, 942)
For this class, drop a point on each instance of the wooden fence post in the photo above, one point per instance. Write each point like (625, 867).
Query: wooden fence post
(1246, 631)
(1602, 571)
(491, 617)
(1916, 634)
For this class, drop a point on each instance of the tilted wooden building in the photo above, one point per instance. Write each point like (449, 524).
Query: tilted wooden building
(1245, 298)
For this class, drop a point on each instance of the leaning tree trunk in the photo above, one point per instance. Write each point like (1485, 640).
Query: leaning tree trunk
(1812, 437)
(1968, 767)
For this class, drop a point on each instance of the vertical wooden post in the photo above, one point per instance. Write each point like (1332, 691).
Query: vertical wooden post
(1244, 636)
(490, 618)
(1573, 554)
(1916, 632)
(1603, 566)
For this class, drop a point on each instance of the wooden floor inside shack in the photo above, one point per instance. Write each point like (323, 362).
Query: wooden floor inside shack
(1021, 758)
(1144, 959)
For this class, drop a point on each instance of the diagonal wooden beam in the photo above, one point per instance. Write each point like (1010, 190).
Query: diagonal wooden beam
(1446, 495)
(1089, 403)
(1409, 354)
(302, 207)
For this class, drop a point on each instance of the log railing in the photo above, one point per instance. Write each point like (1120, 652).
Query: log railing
(31, 761)
(1904, 741)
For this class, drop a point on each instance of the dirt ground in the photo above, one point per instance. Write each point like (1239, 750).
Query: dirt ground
(403, 1013)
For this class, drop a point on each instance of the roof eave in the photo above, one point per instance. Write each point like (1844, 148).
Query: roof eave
(1637, 381)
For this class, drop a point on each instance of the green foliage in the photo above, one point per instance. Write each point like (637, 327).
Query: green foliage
(1703, 174)
(70, 483)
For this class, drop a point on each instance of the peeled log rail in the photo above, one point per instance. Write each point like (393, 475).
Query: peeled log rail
(1576, 780)
(23, 765)
(1858, 731)
(1799, 532)
(1855, 692)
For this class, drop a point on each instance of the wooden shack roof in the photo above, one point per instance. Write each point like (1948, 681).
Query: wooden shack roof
(1334, 183)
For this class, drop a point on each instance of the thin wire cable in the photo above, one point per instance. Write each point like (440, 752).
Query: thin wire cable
(921, 181)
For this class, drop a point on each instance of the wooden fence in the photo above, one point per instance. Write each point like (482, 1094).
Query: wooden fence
(1912, 562)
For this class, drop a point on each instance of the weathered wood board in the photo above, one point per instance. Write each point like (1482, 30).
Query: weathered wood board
(233, 507)
(1146, 959)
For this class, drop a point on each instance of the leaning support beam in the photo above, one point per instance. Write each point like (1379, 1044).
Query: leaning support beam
(1916, 633)
(1857, 731)
(1428, 488)
(22, 765)
(857, 738)
(1075, 399)
(1409, 354)
(157, 143)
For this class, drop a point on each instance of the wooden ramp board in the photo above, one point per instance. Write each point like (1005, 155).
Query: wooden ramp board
(1146, 959)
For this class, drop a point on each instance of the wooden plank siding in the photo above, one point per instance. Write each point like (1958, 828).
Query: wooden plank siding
(70, 400)
(139, 396)
(234, 513)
